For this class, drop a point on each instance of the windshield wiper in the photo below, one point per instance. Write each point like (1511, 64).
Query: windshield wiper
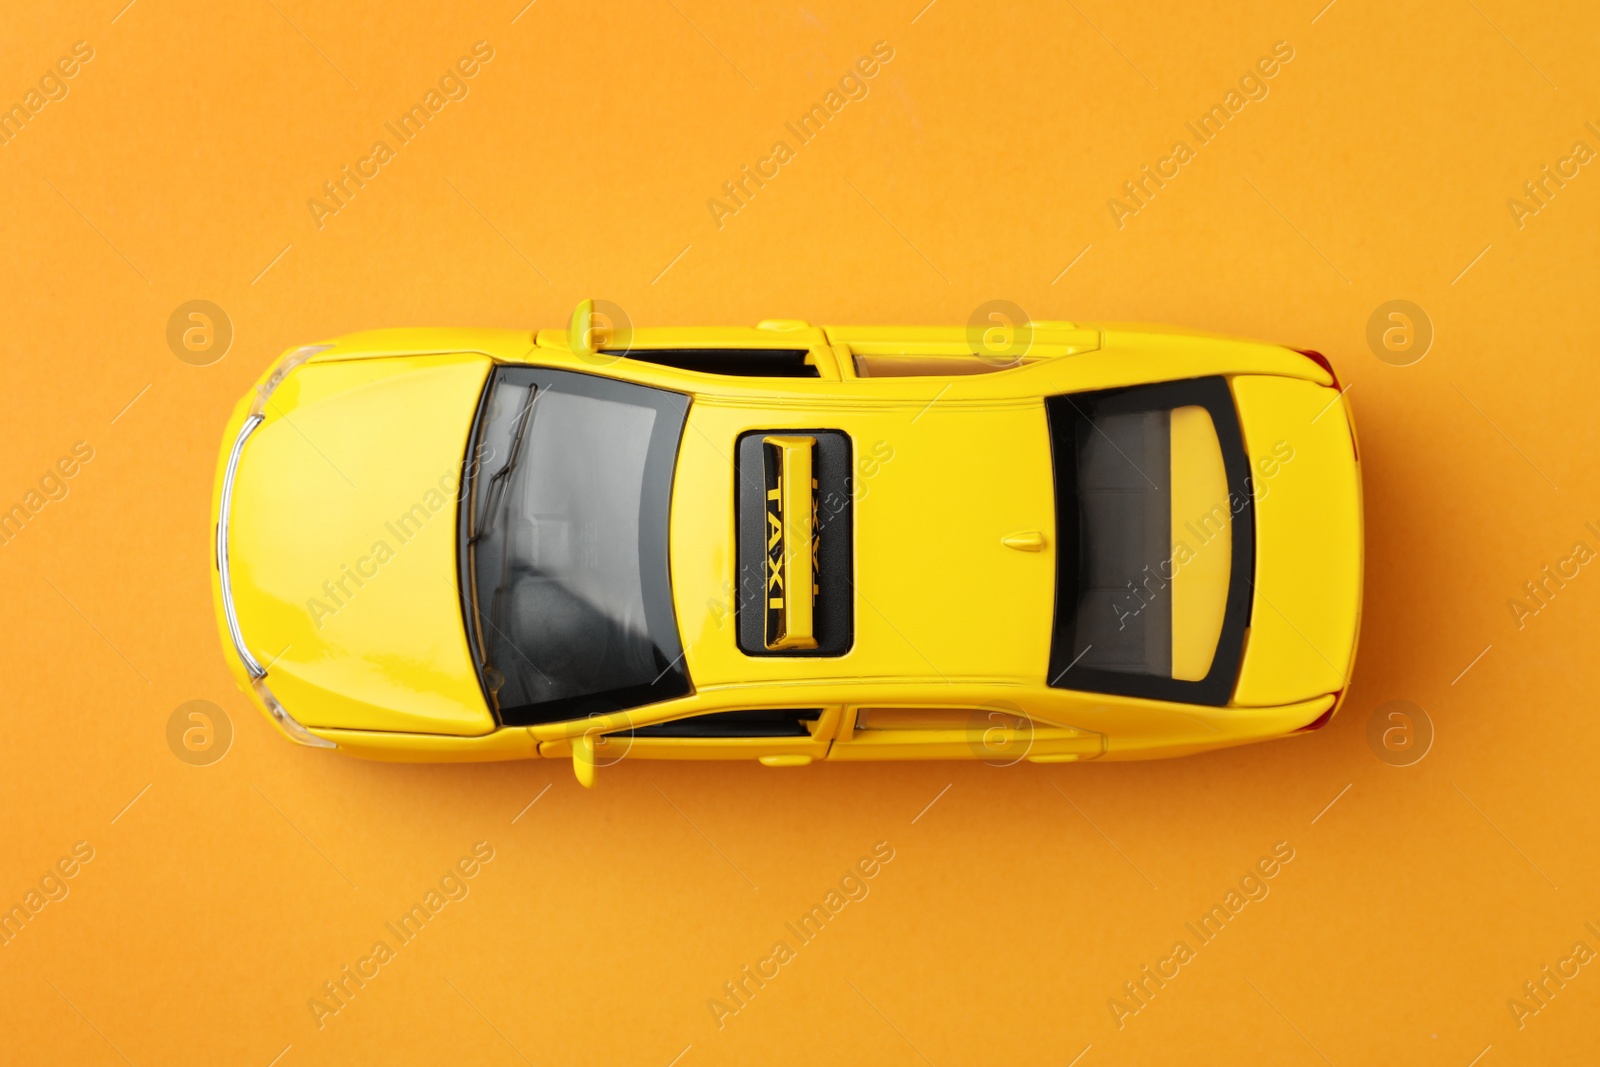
(497, 483)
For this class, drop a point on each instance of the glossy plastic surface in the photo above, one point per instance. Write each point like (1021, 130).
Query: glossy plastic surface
(950, 471)
(1308, 545)
(343, 546)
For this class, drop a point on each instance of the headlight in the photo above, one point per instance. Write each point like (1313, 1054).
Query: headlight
(279, 373)
(285, 720)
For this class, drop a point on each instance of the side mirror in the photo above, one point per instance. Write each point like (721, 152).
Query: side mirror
(583, 761)
(580, 331)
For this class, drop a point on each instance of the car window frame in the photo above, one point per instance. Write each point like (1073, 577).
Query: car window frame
(620, 742)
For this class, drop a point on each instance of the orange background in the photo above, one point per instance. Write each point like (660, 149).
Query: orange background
(978, 167)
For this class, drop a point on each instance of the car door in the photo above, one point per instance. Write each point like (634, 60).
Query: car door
(998, 734)
(775, 737)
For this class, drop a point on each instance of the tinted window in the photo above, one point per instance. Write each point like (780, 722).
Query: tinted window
(765, 722)
(740, 362)
(565, 541)
(1155, 520)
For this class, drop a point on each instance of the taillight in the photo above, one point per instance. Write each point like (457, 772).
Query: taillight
(1322, 361)
(1322, 720)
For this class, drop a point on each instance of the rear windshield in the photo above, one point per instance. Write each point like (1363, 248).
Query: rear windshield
(564, 545)
(1156, 522)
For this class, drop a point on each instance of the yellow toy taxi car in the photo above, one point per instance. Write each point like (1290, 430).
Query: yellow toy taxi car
(788, 543)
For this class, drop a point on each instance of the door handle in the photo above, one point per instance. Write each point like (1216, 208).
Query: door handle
(785, 760)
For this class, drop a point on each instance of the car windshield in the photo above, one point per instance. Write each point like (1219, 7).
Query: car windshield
(1155, 511)
(564, 545)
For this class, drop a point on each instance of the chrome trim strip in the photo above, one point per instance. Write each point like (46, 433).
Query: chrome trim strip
(250, 664)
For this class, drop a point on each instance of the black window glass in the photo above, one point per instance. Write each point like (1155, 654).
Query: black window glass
(1156, 528)
(738, 362)
(763, 722)
(565, 544)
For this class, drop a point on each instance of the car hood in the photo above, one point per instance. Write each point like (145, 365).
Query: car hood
(342, 544)
(1306, 597)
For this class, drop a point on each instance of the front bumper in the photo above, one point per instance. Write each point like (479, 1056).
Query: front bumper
(248, 671)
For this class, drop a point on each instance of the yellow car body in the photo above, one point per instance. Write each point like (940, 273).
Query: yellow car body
(349, 613)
